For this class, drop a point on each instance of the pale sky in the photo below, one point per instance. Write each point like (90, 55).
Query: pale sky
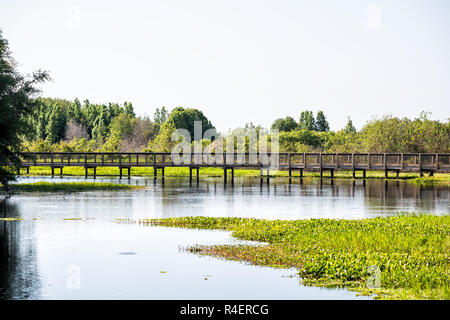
(241, 60)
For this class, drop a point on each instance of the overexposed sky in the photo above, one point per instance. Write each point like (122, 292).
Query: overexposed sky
(241, 60)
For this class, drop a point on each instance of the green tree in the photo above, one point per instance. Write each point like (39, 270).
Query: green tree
(122, 125)
(307, 120)
(284, 125)
(17, 102)
(321, 122)
(56, 126)
(184, 119)
(129, 110)
(160, 115)
(349, 126)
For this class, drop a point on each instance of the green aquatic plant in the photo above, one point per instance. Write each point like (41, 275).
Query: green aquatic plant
(410, 251)
(70, 186)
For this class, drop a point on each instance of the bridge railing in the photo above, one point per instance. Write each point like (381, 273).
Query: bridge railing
(376, 161)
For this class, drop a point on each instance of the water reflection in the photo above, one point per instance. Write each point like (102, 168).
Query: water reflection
(18, 268)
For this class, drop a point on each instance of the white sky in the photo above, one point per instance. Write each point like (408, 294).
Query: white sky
(241, 60)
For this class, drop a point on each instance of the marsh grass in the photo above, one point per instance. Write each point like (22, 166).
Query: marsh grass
(410, 250)
(69, 186)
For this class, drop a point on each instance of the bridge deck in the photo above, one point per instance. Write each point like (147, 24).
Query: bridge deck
(399, 162)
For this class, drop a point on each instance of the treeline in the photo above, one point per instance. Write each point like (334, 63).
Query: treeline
(72, 126)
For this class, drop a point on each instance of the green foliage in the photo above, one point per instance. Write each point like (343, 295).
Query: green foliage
(56, 125)
(349, 127)
(391, 134)
(163, 141)
(321, 122)
(184, 119)
(160, 115)
(411, 251)
(307, 120)
(16, 103)
(284, 125)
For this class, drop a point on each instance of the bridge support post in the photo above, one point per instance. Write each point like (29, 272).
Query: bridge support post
(385, 174)
(18, 171)
(120, 172)
(155, 172)
(332, 173)
(420, 173)
(162, 172)
(95, 172)
(364, 173)
(53, 171)
(198, 174)
(28, 170)
(321, 173)
(431, 173)
(60, 171)
(85, 172)
(354, 173)
(129, 172)
(301, 173)
(190, 174)
(398, 173)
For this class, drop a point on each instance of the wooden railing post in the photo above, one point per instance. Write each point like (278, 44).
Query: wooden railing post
(420, 164)
(437, 161)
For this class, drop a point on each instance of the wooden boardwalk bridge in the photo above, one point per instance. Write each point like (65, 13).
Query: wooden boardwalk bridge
(319, 162)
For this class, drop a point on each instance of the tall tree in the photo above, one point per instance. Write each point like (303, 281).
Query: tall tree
(160, 115)
(321, 122)
(307, 120)
(56, 126)
(349, 128)
(17, 93)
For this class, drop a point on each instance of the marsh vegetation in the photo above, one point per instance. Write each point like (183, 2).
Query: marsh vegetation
(411, 251)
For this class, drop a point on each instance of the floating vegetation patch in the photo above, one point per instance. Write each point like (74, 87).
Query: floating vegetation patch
(396, 257)
(11, 219)
(70, 186)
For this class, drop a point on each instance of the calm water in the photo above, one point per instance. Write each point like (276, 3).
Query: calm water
(47, 257)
